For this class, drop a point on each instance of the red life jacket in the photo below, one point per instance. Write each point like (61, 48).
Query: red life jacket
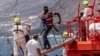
(49, 18)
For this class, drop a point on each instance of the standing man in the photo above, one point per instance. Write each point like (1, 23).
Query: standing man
(33, 47)
(48, 15)
(47, 19)
(87, 13)
(19, 31)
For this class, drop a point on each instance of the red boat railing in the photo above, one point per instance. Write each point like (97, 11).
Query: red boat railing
(83, 25)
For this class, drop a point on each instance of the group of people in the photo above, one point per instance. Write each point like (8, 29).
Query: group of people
(31, 47)
(21, 31)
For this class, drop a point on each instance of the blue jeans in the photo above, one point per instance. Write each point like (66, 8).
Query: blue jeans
(43, 22)
(45, 39)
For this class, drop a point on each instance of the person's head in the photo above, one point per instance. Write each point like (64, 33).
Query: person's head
(65, 34)
(36, 37)
(17, 20)
(85, 3)
(45, 8)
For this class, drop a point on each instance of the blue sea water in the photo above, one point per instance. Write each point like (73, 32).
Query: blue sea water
(6, 49)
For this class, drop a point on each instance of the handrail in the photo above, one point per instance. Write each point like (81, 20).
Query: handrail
(67, 41)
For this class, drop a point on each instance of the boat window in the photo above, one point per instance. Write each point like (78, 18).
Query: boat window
(85, 54)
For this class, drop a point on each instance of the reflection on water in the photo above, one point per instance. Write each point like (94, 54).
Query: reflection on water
(6, 50)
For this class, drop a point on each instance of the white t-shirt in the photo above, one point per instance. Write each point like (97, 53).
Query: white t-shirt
(32, 46)
(87, 11)
(20, 33)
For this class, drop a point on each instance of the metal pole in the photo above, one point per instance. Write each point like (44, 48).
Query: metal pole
(14, 9)
(79, 10)
(54, 36)
(41, 46)
(94, 1)
(62, 35)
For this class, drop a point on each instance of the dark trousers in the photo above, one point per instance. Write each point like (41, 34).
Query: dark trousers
(45, 39)
(27, 38)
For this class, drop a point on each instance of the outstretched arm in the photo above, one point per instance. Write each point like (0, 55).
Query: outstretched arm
(59, 17)
(33, 17)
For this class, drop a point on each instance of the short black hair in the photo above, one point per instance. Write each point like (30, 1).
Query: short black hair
(45, 7)
(35, 36)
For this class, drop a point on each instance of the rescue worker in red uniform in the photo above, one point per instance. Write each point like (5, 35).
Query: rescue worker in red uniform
(48, 15)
